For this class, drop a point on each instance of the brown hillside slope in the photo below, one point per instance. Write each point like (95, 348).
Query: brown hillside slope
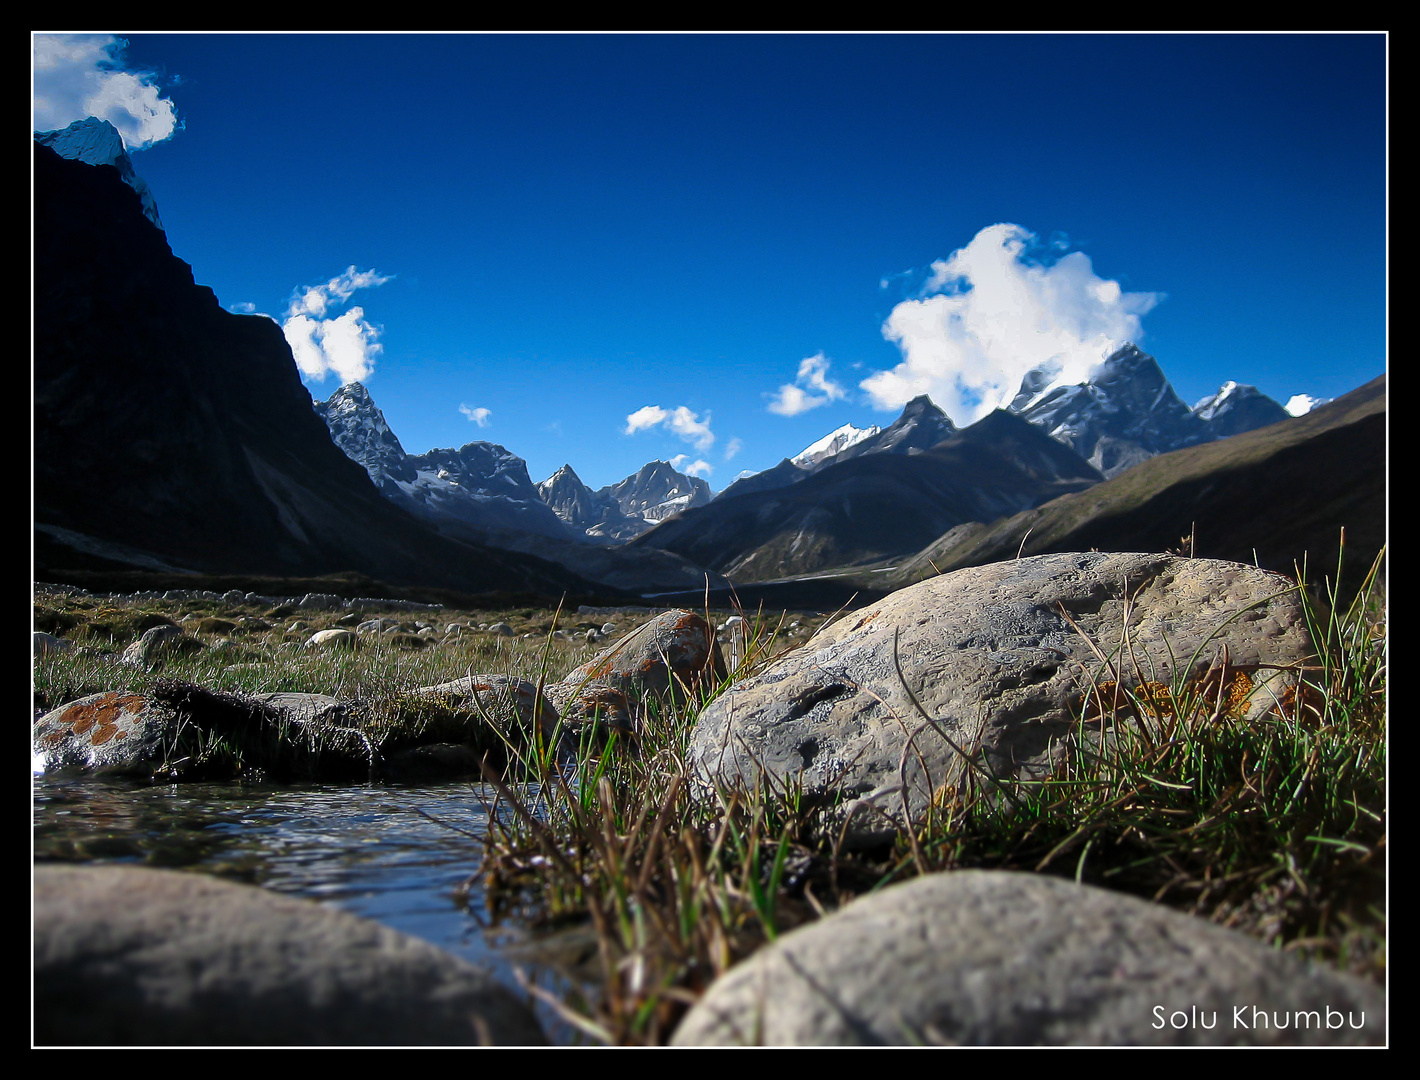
(1271, 496)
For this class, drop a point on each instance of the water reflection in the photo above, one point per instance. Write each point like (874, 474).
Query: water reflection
(374, 851)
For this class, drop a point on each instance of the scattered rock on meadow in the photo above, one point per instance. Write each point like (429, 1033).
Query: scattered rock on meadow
(583, 705)
(512, 705)
(44, 644)
(1000, 659)
(673, 654)
(991, 958)
(332, 639)
(159, 642)
(127, 955)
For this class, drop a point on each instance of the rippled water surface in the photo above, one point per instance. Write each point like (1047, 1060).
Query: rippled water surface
(370, 850)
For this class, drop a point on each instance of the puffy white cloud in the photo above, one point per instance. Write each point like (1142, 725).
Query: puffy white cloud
(477, 416)
(81, 75)
(680, 420)
(683, 463)
(994, 310)
(733, 447)
(325, 343)
(811, 388)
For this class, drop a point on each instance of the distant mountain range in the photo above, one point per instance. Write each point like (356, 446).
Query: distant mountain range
(175, 436)
(481, 492)
(886, 500)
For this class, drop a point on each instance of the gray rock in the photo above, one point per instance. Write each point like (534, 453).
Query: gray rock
(320, 602)
(514, 706)
(332, 639)
(1002, 659)
(502, 629)
(127, 955)
(44, 644)
(672, 655)
(111, 732)
(306, 708)
(582, 706)
(989, 958)
(158, 642)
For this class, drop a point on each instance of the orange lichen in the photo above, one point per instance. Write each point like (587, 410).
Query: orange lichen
(103, 713)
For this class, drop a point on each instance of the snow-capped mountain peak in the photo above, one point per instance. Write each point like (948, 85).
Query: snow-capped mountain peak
(97, 142)
(835, 442)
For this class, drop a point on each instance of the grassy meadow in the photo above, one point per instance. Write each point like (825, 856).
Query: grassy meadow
(1275, 826)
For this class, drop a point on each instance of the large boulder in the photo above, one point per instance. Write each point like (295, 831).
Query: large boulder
(127, 955)
(880, 711)
(990, 958)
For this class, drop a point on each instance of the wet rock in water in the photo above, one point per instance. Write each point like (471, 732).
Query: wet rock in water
(991, 958)
(112, 732)
(997, 663)
(134, 956)
(183, 732)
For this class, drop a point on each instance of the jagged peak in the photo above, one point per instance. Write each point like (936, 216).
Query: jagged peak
(97, 142)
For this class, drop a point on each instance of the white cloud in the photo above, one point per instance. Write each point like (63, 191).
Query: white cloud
(684, 423)
(733, 447)
(477, 416)
(324, 343)
(81, 75)
(811, 388)
(694, 468)
(993, 311)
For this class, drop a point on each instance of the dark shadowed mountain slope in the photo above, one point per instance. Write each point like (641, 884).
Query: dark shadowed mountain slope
(169, 431)
(877, 506)
(1270, 495)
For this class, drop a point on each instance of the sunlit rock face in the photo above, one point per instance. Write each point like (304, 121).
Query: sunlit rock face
(1127, 411)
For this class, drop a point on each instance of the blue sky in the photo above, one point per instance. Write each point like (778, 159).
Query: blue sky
(606, 249)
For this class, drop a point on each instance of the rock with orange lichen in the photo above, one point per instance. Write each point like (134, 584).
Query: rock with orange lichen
(179, 731)
(672, 657)
(108, 732)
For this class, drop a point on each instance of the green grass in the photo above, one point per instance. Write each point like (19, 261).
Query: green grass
(1274, 825)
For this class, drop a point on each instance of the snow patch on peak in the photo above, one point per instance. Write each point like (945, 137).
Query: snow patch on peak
(835, 442)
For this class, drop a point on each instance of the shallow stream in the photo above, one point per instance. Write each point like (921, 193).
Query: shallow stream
(368, 850)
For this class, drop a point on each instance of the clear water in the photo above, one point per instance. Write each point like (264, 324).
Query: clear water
(371, 851)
